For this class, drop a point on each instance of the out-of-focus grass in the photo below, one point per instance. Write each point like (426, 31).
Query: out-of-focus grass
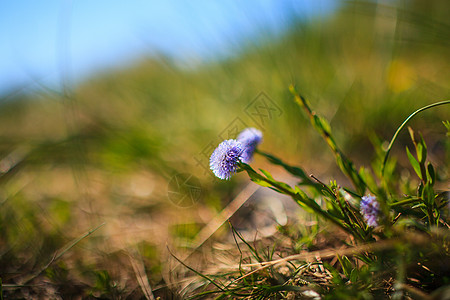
(105, 151)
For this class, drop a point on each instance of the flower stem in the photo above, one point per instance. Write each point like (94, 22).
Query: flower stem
(403, 125)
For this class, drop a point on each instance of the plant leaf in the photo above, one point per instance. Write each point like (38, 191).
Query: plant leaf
(414, 163)
(421, 150)
(431, 174)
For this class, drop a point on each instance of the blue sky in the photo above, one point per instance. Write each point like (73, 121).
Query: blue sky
(49, 39)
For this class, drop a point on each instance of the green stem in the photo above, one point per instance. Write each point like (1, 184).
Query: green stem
(298, 198)
(430, 216)
(324, 129)
(296, 171)
(403, 202)
(58, 255)
(403, 125)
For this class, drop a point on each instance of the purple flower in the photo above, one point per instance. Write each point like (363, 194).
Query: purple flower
(370, 209)
(224, 160)
(250, 138)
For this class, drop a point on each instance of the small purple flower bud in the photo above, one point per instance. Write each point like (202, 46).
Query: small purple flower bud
(370, 209)
(250, 139)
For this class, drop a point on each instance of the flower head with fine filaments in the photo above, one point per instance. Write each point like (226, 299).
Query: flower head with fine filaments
(250, 139)
(225, 159)
(370, 209)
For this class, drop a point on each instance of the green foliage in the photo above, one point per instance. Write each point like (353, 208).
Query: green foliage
(106, 149)
(322, 126)
(105, 287)
(397, 220)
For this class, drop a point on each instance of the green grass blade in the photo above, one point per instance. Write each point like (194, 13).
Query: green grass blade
(196, 272)
(58, 255)
(322, 126)
(403, 125)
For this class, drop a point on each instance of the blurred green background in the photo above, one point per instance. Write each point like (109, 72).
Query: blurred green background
(106, 149)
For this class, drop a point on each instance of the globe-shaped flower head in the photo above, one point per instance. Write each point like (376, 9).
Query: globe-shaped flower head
(370, 209)
(224, 160)
(250, 139)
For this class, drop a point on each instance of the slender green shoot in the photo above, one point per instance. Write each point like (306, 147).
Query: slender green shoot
(403, 125)
(57, 255)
